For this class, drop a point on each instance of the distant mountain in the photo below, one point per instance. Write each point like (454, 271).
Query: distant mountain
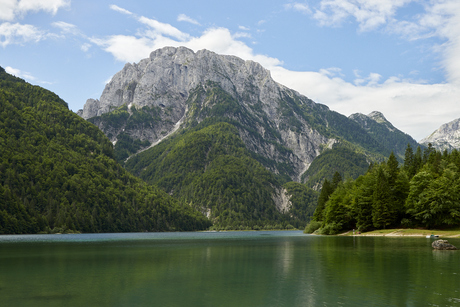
(58, 173)
(381, 129)
(445, 137)
(185, 120)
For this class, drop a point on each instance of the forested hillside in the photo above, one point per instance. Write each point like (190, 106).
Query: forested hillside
(210, 169)
(58, 173)
(422, 192)
(382, 130)
(338, 159)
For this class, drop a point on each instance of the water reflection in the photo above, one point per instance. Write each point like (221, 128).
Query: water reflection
(227, 269)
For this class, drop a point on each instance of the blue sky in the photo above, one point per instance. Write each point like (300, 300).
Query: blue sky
(400, 57)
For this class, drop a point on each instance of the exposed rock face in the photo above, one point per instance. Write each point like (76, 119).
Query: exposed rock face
(443, 245)
(281, 199)
(168, 82)
(367, 120)
(446, 137)
(166, 78)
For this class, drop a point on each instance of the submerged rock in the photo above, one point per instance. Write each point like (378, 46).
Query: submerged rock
(443, 245)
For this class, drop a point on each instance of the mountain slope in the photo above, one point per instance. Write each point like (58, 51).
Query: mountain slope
(153, 110)
(381, 129)
(445, 137)
(176, 88)
(57, 173)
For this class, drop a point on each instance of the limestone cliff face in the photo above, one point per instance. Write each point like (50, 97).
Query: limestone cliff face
(274, 125)
(445, 137)
(166, 78)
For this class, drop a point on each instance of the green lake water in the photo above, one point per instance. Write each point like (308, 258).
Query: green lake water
(261, 268)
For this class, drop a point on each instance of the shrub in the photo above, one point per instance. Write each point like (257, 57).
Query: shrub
(312, 226)
(331, 229)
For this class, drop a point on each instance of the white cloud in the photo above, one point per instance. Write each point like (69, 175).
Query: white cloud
(85, 47)
(370, 14)
(19, 73)
(126, 48)
(18, 34)
(24, 75)
(120, 10)
(156, 29)
(12, 9)
(241, 35)
(243, 28)
(372, 79)
(301, 7)
(160, 28)
(183, 17)
(66, 27)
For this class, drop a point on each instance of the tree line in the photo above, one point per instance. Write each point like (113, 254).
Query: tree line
(422, 192)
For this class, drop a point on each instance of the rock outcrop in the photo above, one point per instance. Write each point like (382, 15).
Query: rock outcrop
(445, 137)
(443, 245)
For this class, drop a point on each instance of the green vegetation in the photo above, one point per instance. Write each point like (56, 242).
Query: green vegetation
(395, 141)
(423, 192)
(58, 173)
(338, 159)
(210, 169)
(127, 146)
(121, 121)
(303, 203)
(208, 166)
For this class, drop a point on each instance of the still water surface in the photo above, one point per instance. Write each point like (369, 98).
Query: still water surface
(264, 268)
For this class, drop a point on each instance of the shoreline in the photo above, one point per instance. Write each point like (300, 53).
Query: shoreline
(405, 233)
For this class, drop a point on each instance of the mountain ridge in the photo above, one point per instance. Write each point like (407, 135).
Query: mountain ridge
(171, 118)
(171, 76)
(446, 137)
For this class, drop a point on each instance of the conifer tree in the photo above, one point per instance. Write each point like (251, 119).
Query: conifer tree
(409, 161)
(326, 191)
(336, 180)
(383, 214)
(364, 201)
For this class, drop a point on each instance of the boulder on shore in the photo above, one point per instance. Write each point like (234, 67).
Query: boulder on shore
(443, 245)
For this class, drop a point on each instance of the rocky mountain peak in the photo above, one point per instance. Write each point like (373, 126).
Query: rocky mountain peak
(375, 116)
(445, 137)
(178, 87)
(378, 117)
(173, 72)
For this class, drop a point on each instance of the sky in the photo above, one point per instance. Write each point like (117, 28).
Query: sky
(399, 57)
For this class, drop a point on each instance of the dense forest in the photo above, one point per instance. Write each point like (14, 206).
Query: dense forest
(424, 191)
(210, 169)
(58, 173)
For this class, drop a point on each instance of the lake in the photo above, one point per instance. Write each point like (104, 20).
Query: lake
(259, 268)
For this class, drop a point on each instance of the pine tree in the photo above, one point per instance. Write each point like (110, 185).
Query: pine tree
(336, 180)
(409, 161)
(383, 214)
(363, 202)
(392, 167)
